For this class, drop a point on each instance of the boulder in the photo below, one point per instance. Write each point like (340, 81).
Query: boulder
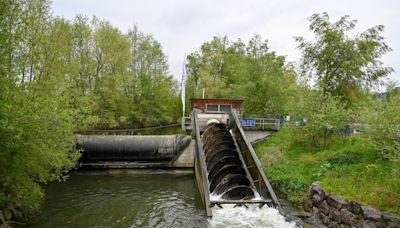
(335, 215)
(354, 207)
(390, 220)
(324, 219)
(316, 200)
(370, 213)
(334, 225)
(324, 208)
(315, 212)
(307, 205)
(317, 189)
(366, 224)
(348, 218)
(302, 214)
(336, 201)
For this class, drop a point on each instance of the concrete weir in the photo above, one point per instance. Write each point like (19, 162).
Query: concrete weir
(226, 167)
(135, 152)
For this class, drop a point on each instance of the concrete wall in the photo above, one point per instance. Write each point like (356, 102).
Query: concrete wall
(333, 211)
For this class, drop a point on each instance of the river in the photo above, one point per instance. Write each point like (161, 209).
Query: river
(154, 200)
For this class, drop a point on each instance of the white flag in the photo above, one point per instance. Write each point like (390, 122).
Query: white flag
(183, 86)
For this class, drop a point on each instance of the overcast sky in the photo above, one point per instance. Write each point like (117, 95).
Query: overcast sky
(181, 26)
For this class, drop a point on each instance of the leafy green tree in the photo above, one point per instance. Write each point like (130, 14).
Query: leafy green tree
(380, 118)
(36, 123)
(151, 91)
(320, 117)
(341, 64)
(237, 70)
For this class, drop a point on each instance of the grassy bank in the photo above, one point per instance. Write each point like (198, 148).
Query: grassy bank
(347, 166)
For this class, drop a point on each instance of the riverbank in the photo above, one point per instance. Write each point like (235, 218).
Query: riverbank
(348, 167)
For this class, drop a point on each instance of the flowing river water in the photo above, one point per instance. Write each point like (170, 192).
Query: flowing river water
(153, 200)
(147, 200)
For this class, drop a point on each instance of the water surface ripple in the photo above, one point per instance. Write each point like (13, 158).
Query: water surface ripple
(155, 200)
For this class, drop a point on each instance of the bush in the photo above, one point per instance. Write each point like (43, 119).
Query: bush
(383, 127)
(271, 156)
(346, 158)
(325, 115)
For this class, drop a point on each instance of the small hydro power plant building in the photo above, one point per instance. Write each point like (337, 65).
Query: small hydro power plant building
(226, 168)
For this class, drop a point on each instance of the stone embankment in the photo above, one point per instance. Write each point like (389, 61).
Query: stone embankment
(334, 211)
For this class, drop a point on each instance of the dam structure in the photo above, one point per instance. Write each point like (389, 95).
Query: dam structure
(223, 161)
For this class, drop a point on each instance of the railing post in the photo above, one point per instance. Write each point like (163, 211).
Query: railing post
(263, 123)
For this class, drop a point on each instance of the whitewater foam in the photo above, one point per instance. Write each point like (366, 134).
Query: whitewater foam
(230, 216)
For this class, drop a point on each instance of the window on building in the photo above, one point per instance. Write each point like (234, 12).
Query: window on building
(212, 108)
(218, 108)
(224, 108)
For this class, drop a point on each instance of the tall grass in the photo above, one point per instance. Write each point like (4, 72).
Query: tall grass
(349, 167)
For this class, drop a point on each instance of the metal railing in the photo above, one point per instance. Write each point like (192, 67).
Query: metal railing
(257, 123)
(187, 123)
(249, 123)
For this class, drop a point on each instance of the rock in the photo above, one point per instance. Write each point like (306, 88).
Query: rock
(348, 218)
(302, 214)
(345, 226)
(390, 220)
(333, 225)
(371, 213)
(316, 200)
(7, 214)
(317, 189)
(307, 205)
(366, 224)
(324, 208)
(335, 215)
(315, 212)
(354, 207)
(324, 219)
(336, 201)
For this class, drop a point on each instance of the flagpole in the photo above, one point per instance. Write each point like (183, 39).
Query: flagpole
(183, 91)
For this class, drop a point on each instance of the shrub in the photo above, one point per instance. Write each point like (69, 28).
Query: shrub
(271, 156)
(346, 158)
(383, 127)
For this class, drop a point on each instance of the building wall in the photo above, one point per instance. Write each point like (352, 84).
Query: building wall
(201, 104)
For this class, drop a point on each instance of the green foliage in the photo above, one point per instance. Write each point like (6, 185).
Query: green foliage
(341, 64)
(325, 115)
(58, 76)
(271, 156)
(36, 121)
(321, 170)
(345, 168)
(284, 177)
(382, 122)
(346, 158)
(249, 71)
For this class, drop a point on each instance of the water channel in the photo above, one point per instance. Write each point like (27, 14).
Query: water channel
(145, 200)
(153, 200)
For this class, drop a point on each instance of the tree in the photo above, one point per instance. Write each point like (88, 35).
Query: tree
(343, 65)
(237, 70)
(322, 115)
(381, 119)
(36, 123)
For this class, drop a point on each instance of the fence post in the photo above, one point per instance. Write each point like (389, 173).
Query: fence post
(277, 121)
